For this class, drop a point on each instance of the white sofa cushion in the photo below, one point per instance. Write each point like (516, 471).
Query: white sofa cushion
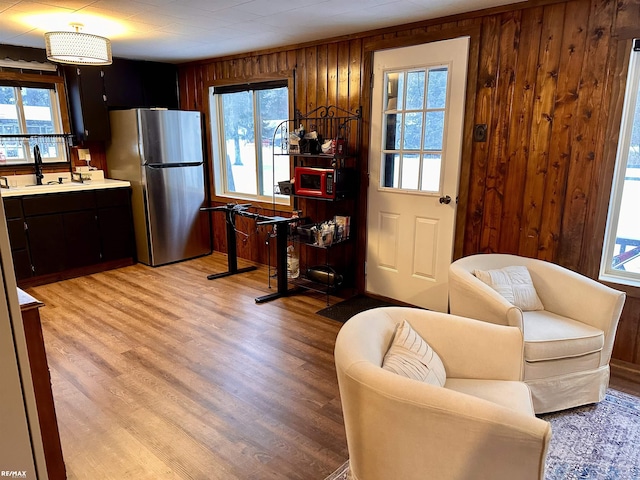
(514, 284)
(548, 336)
(513, 395)
(562, 367)
(411, 356)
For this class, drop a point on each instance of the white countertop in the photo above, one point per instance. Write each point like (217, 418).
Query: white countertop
(20, 185)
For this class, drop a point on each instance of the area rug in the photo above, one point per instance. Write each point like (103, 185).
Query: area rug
(594, 442)
(346, 309)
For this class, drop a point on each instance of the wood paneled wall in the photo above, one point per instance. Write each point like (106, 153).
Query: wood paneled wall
(547, 83)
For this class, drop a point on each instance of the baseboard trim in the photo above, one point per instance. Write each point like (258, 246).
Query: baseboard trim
(74, 272)
(627, 370)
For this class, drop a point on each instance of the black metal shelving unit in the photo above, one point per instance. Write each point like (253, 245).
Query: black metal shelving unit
(344, 128)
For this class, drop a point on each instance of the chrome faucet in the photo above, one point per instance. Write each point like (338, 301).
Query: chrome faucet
(37, 160)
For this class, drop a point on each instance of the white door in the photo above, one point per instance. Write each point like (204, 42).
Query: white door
(417, 115)
(17, 450)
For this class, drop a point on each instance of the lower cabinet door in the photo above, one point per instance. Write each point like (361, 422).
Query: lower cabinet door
(46, 242)
(21, 264)
(17, 237)
(19, 248)
(69, 231)
(82, 241)
(116, 233)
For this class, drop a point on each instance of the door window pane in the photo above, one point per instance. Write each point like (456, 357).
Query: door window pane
(412, 131)
(415, 90)
(431, 166)
(390, 169)
(410, 172)
(434, 130)
(437, 93)
(393, 129)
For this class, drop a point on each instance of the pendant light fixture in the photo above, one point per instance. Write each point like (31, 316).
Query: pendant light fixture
(78, 48)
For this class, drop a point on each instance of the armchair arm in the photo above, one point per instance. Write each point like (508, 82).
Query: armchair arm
(572, 295)
(472, 298)
(400, 428)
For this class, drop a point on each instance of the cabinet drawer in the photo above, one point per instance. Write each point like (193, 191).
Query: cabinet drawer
(58, 203)
(113, 197)
(13, 207)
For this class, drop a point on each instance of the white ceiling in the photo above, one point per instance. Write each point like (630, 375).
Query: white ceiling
(183, 30)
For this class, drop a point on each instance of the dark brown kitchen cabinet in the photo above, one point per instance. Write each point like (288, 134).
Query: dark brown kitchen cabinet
(62, 231)
(46, 243)
(21, 258)
(68, 234)
(81, 239)
(88, 103)
(18, 238)
(124, 84)
(160, 84)
(115, 223)
(140, 84)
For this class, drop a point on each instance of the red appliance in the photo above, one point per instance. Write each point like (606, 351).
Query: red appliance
(329, 183)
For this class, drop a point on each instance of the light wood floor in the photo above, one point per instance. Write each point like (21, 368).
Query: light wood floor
(159, 373)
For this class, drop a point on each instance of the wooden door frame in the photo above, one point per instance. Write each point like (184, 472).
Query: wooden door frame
(369, 48)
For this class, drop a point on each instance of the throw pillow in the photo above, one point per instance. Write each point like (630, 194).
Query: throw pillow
(411, 356)
(514, 284)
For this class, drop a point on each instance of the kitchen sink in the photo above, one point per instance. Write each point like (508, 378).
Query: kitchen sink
(48, 187)
(20, 185)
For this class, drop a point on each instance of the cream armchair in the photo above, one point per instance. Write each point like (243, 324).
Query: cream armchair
(480, 425)
(567, 346)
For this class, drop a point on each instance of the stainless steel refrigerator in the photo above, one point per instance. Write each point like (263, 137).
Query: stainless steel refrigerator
(160, 153)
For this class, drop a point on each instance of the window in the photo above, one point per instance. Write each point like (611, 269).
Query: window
(244, 119)
(34, 110)
(621, 254)
(414, 119)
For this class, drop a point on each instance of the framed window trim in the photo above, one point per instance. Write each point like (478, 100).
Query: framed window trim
(213, 130)
(627, 88)
(48, 81)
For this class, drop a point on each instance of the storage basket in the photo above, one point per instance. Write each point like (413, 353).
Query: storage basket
(286, 187)
(307, 233)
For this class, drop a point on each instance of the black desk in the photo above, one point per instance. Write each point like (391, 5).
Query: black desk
(232, 253)
(282, 232)
(282, 228)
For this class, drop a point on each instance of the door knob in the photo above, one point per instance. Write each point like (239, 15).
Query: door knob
(446, 199)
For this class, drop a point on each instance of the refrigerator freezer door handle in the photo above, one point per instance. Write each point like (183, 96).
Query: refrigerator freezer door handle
(173, 165)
